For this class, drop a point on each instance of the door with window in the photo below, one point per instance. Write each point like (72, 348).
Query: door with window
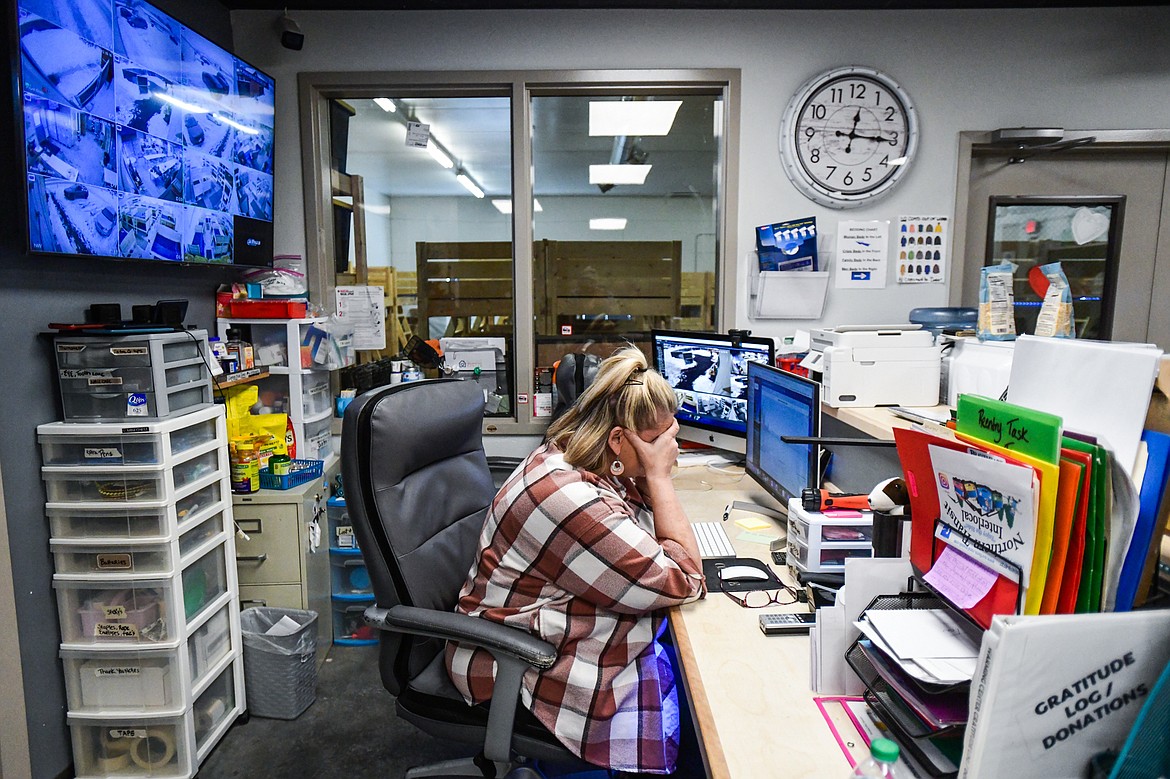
(1077, 184)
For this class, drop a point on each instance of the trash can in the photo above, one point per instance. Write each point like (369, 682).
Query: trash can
(280, 667)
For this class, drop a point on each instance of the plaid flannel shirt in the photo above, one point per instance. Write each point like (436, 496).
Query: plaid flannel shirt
(572, 558)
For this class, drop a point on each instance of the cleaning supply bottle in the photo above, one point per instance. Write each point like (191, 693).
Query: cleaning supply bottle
(883, 754)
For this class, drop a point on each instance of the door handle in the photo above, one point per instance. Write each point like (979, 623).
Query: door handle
(252, 558)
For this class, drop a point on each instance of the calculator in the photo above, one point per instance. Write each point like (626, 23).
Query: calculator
(787, 623)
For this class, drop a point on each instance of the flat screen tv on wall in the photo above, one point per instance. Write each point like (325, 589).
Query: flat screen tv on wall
(142, 139)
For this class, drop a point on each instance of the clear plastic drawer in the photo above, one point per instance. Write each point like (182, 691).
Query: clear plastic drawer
(130, 747)
(199, 533)
(318, 443)
(114, 523)
(192, 505)
(144, 449)
(317, 396)
(349, 574)
(106, 559)
(209, 644)
(116, 612)
(825, 558)
(196, 468)
(104, 487)
(214, 705)
(203, 581)
(123, 682)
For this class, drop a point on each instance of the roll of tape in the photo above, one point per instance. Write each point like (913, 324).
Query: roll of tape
(154, 751)
(206, 718)
(113, 753)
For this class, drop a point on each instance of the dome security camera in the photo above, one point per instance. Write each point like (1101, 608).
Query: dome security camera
(291, 36)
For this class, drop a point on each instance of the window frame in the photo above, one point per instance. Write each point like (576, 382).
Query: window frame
(316, 89)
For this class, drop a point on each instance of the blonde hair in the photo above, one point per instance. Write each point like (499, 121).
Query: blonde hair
(625, 393)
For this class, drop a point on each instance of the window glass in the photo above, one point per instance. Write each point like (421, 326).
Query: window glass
(432, 172)
(624, 218)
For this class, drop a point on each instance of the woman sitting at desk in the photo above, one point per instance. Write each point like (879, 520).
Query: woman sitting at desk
(585, 546)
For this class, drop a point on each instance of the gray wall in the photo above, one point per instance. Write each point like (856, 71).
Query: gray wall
(1097, 68)
(33, 293)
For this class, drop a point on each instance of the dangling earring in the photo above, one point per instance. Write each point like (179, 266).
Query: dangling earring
(617, 468)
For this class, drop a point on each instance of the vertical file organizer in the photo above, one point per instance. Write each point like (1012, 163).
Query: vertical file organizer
(142, 536)
(786, 294)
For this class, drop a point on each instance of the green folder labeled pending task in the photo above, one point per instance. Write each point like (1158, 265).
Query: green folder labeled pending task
(1025, 430)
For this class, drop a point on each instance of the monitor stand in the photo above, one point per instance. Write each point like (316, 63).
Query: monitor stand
(754, 508)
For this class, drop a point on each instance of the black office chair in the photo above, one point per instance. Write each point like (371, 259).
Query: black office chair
(417, 487)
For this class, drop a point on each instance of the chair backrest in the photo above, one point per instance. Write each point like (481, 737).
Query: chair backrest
(417, 488)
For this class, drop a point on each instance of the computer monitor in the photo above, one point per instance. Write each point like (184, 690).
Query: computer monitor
(708, 372)
(780, 403)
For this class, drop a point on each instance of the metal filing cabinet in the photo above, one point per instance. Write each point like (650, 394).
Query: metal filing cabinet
(282, 554)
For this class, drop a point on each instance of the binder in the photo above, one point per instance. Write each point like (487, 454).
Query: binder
(1008, 426)
(1150, 498)
(1051, 692)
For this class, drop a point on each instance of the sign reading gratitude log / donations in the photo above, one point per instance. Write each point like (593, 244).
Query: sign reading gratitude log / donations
(862, 254)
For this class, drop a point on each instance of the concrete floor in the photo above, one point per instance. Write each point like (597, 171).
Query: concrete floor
(349, 732)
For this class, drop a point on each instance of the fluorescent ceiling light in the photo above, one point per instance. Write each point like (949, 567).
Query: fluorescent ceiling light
(607, 224)
(386, 104)
(468, 184)
(504, 206)
(632, 117)
(439, 156)
(190, 108)
(618, 174)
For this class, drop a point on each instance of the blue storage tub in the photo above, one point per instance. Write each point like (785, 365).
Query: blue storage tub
(945, 317)
(349, 574)
(349, 628)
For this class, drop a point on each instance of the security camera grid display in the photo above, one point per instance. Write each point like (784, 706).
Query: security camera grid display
(142, 138)
(709, 378)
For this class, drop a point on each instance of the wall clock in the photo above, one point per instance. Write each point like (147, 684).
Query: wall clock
(849, 134)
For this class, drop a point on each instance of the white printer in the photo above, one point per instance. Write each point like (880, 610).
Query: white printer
(876, 365)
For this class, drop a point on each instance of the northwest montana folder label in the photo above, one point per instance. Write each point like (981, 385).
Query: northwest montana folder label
(1021, 429)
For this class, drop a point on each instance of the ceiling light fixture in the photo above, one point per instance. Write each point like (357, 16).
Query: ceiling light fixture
(386, 104)
(632, 117)
(438, 155)
(618, 174)
(607, 224)
(468, 184)
(504, 205)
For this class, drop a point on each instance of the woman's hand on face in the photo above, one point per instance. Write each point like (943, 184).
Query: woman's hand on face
(658, 456)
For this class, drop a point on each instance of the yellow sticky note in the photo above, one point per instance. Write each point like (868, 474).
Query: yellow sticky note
(754, 524)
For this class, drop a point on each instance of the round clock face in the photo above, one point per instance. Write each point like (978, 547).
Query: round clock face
(848, 135)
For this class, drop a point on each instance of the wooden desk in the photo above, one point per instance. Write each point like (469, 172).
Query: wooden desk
(749, 693)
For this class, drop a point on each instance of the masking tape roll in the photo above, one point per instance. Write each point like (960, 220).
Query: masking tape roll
(113, 764)
(154, 751)
(113, 754)
(206, 718)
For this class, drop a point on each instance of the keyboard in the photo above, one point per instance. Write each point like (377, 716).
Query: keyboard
(713, 540)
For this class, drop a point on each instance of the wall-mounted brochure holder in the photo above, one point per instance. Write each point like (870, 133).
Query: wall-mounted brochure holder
(793, 294)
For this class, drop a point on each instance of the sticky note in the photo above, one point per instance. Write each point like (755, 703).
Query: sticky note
(754, 524)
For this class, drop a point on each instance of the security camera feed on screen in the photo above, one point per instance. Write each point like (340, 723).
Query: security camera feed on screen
(709, 377)
(142, 138)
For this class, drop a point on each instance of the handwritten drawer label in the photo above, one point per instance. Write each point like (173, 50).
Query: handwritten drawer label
(118, 670)
(115, 630)
(115, 562)
(128, 351)
(101, 453)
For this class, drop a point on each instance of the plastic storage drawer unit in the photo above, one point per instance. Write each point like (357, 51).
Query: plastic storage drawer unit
(828, 559)
(214, 704)
(135, 376)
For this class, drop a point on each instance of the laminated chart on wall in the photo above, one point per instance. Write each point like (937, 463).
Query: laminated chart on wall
(862, 254)
(921, 249)
(364, 308)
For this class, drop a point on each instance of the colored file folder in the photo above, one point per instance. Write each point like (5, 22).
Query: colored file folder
(1075, 557)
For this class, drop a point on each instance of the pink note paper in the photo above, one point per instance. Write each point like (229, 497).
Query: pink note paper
(962, 580)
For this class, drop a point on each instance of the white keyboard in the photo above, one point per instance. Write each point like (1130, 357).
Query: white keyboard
(713, 540)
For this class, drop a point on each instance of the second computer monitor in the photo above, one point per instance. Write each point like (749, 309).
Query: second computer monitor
(708, 372)
(780, 403)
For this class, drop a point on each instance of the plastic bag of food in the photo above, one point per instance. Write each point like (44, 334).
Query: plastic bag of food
(1056, 312)
(997, 316)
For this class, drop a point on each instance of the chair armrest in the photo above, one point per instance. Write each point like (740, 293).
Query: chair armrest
(465, 629)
